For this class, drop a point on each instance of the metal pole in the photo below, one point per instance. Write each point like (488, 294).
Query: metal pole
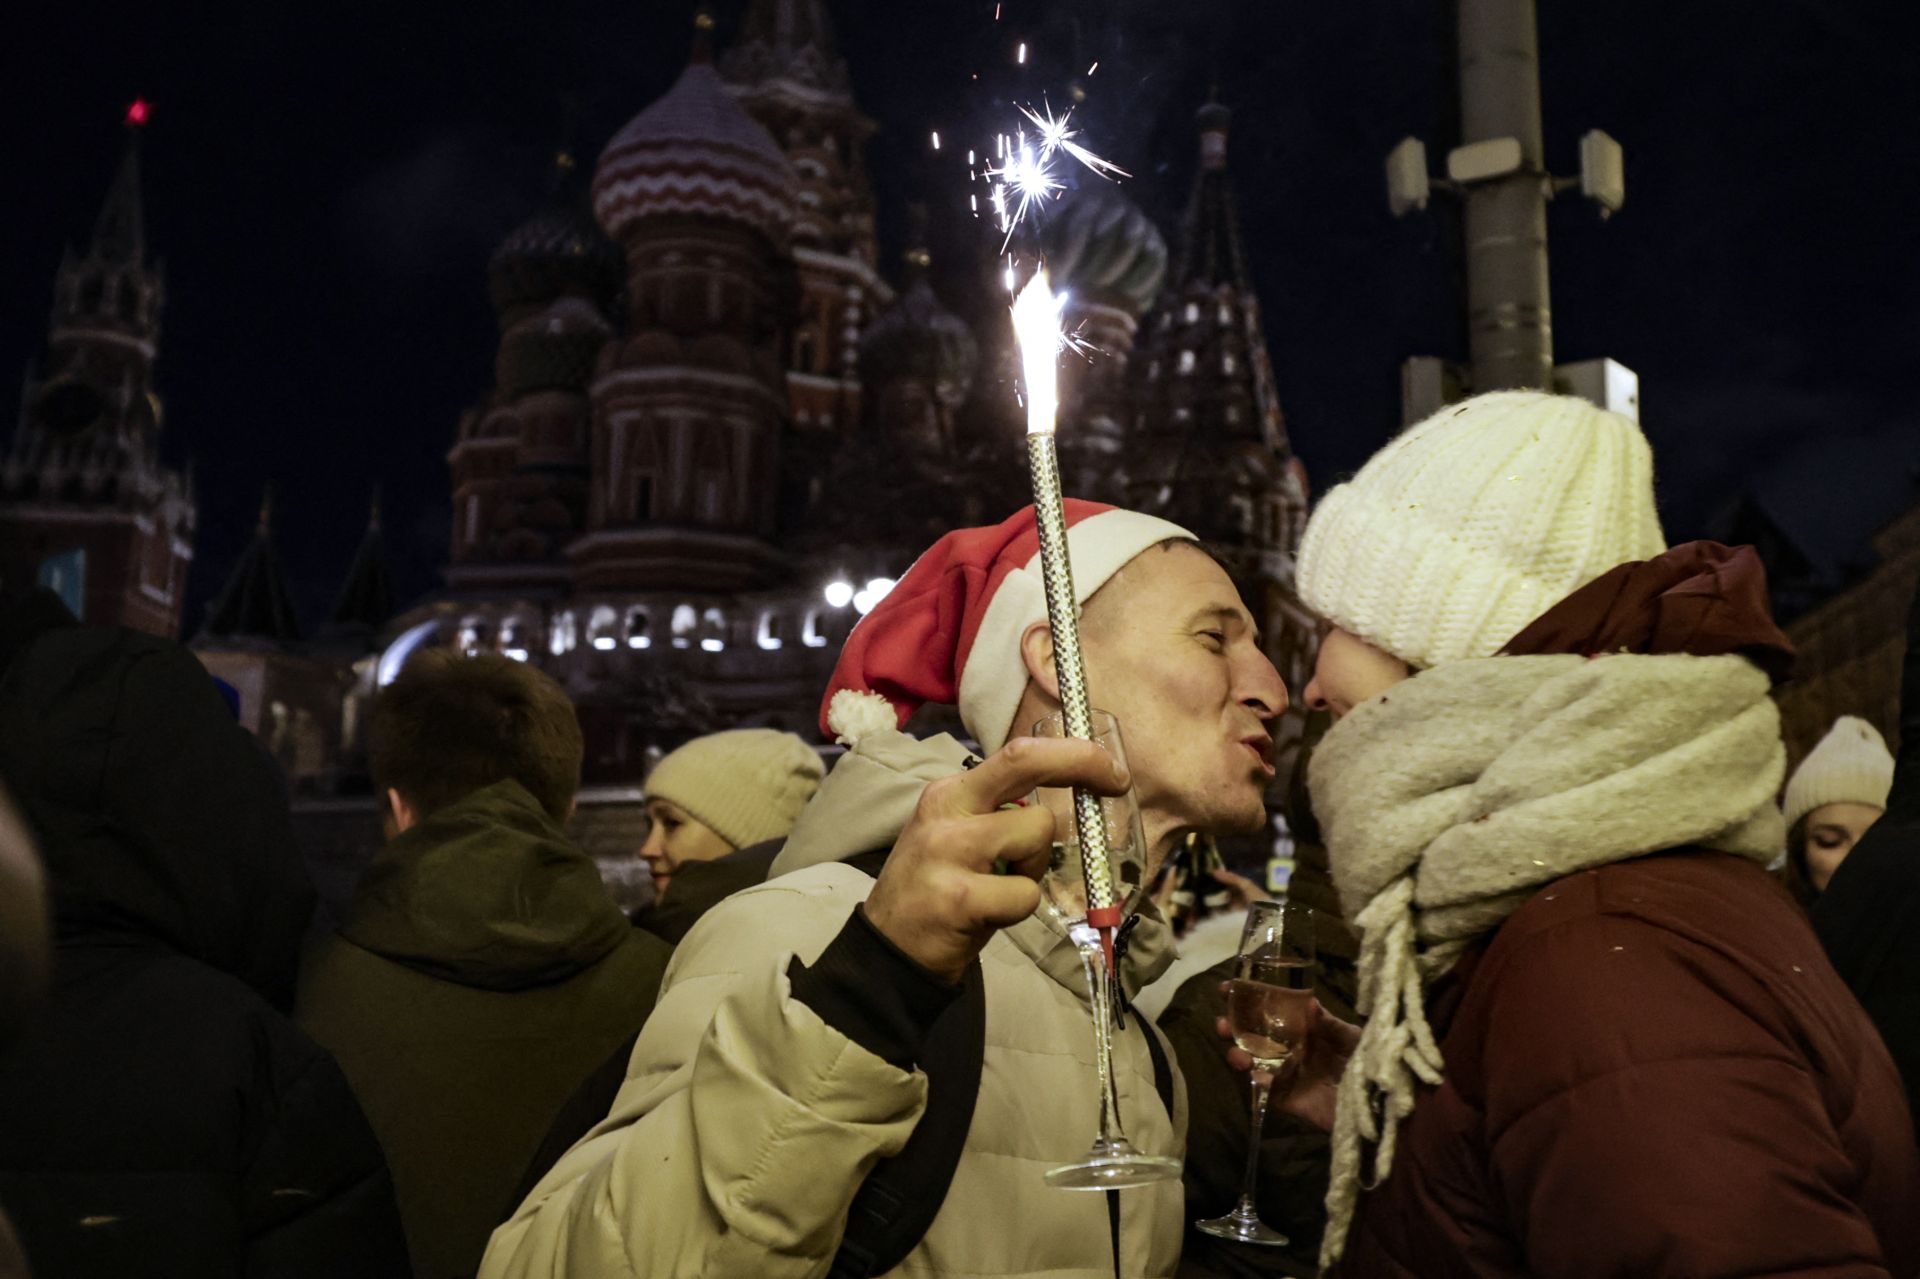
(1509, 313)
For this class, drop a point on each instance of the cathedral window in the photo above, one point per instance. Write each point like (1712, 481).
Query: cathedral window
(1227, 364)
(685, 622)
(1193, 313)
(810, 633)
(467, 639)
(806, 352)
(1186, 361)
(129, 301)
(473, 521)
(639, 628)
(713, 631)
(565, 636)
(600, 628)
(1226, 315)
(772, 630)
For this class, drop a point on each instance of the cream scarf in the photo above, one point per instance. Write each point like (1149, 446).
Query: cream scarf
(1447, 801)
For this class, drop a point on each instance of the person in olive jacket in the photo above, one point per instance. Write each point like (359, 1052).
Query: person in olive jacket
(482, 971)
(159, 1115)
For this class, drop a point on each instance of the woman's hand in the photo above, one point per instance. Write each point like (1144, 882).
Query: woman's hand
(1312, 1080)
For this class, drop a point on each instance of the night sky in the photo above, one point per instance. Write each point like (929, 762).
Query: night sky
(325, 182)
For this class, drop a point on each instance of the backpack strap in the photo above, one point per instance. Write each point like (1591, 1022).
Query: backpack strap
(896, 1204)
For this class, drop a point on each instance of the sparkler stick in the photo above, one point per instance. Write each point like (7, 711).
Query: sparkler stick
(1036, 326)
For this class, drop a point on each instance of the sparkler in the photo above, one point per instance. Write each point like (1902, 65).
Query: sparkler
(1036, 326)
(1025, 175)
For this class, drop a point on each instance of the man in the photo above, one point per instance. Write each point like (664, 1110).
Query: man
(1600, 1039)
(159, 1113)
(790, 1048)
(482, 971)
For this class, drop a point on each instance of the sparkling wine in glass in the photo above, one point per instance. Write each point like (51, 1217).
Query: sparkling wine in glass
(1269, 1004)
(1113, 1162)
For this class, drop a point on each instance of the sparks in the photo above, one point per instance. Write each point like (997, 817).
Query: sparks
(1027, 177)
(1022, 57)
(936, 139)
(1055, 135)
(996, 13)
(1095, 67)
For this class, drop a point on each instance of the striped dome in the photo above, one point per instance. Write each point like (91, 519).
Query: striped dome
(694, 152)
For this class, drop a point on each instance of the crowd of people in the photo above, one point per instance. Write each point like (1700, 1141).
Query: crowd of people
(1603, 991)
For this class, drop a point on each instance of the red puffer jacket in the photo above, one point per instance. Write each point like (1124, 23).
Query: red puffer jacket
(1651, 1070)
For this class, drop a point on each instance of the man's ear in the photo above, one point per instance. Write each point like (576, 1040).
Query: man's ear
(1036, 652)
(401, 813)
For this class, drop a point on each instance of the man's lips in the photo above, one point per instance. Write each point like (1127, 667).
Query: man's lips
(1262, 749)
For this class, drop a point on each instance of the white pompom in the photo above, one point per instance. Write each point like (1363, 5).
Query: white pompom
(854, 713)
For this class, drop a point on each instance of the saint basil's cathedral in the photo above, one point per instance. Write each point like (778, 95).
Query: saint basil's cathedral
(717, 428)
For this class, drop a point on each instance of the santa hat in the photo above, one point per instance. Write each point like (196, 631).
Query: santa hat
(949, 631)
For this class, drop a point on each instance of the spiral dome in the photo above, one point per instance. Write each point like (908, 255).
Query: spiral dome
(558, 252)
(917, 337)
(1100, 246)
(695, 153)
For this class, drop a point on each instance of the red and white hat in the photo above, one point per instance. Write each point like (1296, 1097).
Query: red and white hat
(949, 631)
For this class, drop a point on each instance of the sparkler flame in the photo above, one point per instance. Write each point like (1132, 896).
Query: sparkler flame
(1036, 327)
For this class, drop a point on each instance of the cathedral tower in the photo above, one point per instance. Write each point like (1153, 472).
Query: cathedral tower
(85, 504)
(689, 402)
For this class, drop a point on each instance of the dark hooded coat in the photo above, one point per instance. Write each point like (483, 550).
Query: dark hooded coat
(161, 1116)
(481, 974)
(1869, 917)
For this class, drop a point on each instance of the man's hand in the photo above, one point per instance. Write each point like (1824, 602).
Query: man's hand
(1315, 1074)
(938, 898)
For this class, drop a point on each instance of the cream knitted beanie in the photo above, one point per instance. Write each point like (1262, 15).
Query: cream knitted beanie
(748, 784)
(1473, 523)
(1851, 765)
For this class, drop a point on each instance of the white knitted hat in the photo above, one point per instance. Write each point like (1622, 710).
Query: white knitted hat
(1473, 523)
(1851, 765)
(747, 784)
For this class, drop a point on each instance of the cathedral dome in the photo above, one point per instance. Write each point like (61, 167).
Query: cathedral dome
(918, 338)
(558, 252)
(554, 349)
(1101, 247)
(695, 153)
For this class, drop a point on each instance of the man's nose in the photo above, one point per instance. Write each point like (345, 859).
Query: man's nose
(1262, 688)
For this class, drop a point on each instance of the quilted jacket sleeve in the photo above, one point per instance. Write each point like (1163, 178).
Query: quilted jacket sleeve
(1650, 1109)
(746, 1122)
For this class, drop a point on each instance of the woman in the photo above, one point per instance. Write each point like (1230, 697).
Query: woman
(1837, 793)
(1598, 1039)
(717, 811)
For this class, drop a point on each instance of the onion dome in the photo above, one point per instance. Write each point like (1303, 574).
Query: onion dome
(553, 349)
(695, 153)
(558, 252)
(1101, 247)
(919, 338)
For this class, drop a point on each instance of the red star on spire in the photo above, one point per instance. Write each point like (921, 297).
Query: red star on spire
(137, 112)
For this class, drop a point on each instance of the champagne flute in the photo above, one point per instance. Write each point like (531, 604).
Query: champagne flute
(1269, 1004)
(1113, 1162)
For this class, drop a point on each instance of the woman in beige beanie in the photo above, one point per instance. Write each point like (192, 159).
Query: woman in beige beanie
(722, 793)
(1837, 793)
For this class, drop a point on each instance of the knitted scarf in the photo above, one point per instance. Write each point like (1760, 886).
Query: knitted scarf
(1452, 798)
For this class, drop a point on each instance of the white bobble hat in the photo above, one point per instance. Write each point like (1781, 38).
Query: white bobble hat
(1473, 523)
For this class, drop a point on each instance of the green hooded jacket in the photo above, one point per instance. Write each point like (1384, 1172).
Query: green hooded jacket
(482, 973)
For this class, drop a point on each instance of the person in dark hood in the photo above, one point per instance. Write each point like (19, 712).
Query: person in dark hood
(161, 1116)
(482, 971)
(1869, 916)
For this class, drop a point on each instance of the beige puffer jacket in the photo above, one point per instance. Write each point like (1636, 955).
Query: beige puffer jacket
(746, 1123)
